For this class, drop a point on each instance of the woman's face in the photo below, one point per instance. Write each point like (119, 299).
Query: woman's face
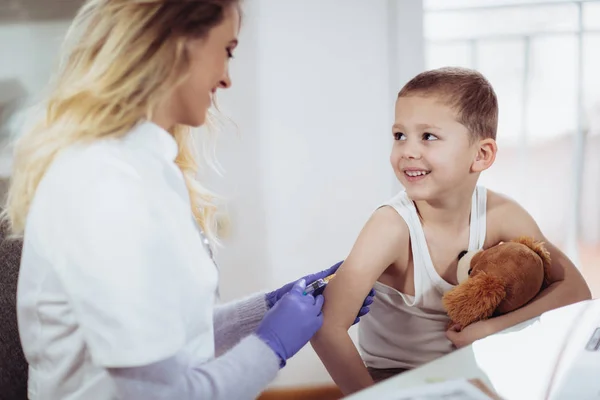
(209, 70)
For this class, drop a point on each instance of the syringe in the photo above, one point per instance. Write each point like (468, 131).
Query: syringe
(317, 287)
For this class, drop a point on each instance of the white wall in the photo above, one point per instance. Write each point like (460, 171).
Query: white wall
(243, 262)
(29, 52)
(325, 116)
(28, 55)
(314, 89)
(406, 47)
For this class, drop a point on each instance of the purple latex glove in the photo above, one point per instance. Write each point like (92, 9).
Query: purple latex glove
(292, 322)
(364, 310)
(276, 295)
(273, 297)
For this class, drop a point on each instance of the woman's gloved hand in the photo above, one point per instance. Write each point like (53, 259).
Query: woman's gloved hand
(292, 322)
(273, 297)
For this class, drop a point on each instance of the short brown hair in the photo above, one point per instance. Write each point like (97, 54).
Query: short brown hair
(466, 90)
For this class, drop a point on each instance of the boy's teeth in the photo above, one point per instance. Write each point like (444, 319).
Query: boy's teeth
(416, 173)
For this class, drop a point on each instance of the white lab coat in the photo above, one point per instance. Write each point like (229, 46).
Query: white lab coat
(113, 273)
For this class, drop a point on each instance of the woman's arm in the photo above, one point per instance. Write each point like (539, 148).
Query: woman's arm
(376, 248)
(242, 373)
(235, 320)
(124, 282)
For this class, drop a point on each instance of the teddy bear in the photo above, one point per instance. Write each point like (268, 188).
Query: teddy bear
(497, 280)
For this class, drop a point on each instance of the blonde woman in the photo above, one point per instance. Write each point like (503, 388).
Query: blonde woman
(117, 285)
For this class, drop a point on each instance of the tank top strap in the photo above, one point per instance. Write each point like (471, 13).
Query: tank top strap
(478, 219)
(418, 245)
(425, 275)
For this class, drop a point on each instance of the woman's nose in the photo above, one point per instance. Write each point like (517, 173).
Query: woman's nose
(225, 81)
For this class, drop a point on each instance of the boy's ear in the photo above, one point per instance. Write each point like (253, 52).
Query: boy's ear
(486, 155)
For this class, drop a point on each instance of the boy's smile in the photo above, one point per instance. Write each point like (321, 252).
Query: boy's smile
(432, 151)
(415, 174)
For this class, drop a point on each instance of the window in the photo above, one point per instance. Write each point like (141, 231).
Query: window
(542, 58)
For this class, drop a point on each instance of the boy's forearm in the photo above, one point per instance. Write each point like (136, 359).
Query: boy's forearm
(558, 294)
(343, 362)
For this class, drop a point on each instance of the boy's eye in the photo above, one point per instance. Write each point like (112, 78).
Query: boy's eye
(429, 136)
(399, 136)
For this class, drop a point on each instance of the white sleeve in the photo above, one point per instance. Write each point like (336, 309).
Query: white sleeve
(241, 373)
(235, 320)
(115, 264)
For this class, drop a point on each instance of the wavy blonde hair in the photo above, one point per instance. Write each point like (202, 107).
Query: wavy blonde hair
(121, 58)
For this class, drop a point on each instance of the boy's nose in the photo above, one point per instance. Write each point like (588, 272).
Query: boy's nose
(411, 151)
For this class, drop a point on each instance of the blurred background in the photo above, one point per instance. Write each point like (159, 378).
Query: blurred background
(305, 160)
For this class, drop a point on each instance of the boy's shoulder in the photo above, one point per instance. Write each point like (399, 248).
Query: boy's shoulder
(387, 220)
(507, 219)
(501, 205)
(497, 201)
(387, 232)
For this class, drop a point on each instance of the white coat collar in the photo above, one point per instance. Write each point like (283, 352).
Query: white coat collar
(153, 137)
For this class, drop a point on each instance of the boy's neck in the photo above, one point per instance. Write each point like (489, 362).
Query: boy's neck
(452, 211)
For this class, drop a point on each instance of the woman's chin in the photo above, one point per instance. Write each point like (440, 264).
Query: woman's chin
(195, 121)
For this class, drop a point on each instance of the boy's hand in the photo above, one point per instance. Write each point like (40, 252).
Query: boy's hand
(464, 337)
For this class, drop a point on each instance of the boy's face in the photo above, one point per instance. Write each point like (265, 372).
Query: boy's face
(432, 152)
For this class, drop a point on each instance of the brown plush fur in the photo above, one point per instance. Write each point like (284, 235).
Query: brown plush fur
(503, 278)
(475, 299)
(541, 251)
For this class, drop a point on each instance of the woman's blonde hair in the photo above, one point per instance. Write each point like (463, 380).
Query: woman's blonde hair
(121, 58)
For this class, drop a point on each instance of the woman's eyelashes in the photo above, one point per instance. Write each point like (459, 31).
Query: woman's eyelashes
(426, 136)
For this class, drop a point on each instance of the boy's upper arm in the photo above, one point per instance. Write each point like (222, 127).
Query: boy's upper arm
(510, 221)
(379, 245)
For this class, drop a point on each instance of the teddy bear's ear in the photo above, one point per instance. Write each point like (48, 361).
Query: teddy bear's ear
(474, 300)
(539, 248)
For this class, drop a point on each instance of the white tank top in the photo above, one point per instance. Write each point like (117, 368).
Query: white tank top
(403, 331)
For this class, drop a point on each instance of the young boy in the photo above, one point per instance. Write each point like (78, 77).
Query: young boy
(444, 130)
